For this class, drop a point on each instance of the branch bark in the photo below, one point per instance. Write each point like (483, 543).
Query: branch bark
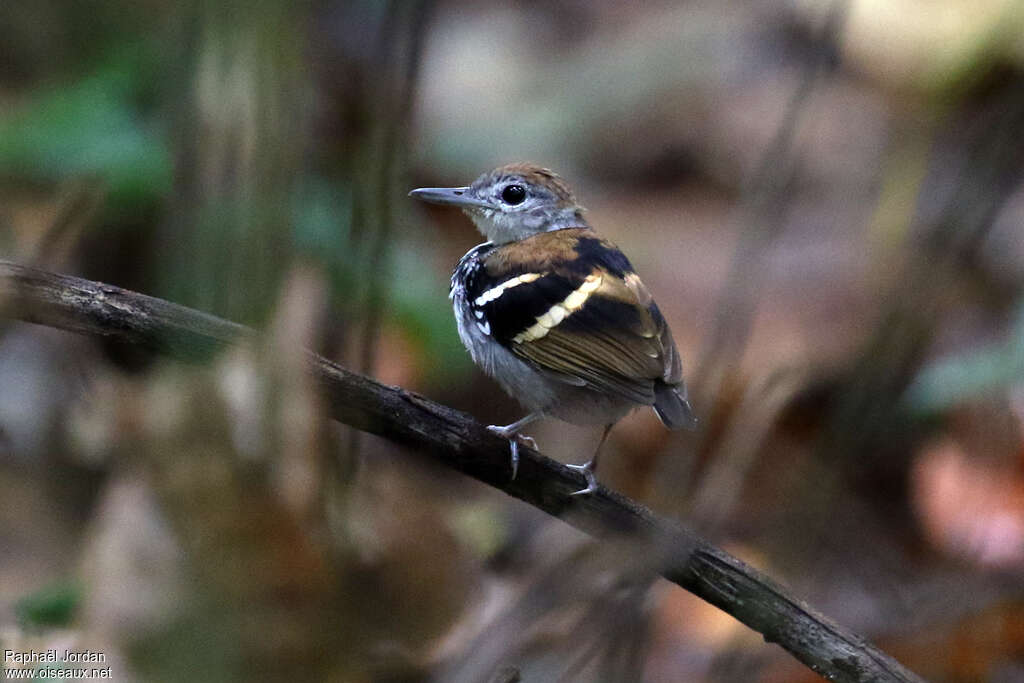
(456, 440)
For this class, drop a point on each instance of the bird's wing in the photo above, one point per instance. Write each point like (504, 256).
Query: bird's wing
(610, 343)
(587, 320)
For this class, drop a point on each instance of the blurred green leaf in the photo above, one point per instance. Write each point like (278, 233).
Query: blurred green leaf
(967, 376)
(52, 606)
(91, 127)
(322, 220)
(322, 225)
(421, 306)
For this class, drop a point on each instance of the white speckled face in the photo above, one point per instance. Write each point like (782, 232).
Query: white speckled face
(512, 202)
(511, 207)
(510, 225)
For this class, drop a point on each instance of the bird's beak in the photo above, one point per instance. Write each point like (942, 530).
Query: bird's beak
(455, 196)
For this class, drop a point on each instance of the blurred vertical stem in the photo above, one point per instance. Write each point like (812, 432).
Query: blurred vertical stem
(988, 168)
(760, 217)
(241, 124)
(399, 73)
(396, 67)
(868, 437)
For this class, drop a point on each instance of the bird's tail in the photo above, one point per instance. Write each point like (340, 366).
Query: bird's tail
(671, 406)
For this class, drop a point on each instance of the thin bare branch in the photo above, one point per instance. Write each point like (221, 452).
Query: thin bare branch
(458, 441)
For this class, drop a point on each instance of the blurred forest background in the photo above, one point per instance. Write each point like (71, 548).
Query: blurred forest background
(825, 198)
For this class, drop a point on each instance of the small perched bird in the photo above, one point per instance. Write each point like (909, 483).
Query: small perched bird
(555, 313)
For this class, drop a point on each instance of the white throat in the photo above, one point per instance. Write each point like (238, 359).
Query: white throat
(502, 227)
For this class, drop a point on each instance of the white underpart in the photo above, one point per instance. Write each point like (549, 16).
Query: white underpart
(560, 311)
(494, 292)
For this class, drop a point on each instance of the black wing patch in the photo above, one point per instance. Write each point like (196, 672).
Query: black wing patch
(593, 251)
(518, 307)
(584, 318)
(607, 343)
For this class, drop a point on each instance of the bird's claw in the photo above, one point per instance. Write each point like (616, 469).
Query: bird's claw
(513, 440)
(528, 441)
(587, 470)
(514, 444)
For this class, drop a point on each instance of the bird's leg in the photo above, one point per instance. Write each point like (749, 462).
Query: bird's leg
(511, 432)
(588, 468)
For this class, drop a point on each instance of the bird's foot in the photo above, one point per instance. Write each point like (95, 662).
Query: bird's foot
(513, 439)
(587, 470)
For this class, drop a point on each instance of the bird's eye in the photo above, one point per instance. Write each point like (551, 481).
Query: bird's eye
(513, 194)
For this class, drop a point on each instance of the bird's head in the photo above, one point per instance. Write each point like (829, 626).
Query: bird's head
(512, 202)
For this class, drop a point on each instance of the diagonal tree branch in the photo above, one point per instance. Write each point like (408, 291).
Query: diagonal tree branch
(458, 441)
